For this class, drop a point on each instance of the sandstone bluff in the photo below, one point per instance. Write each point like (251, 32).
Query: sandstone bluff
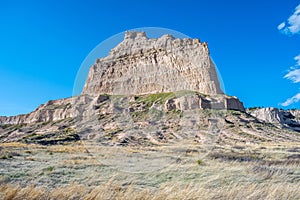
(137, 66)
(146, 91)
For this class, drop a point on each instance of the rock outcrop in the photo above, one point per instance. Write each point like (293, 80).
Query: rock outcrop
(86, 106)
(51, 111)
(192, 102)
(55, 110)
(280, 118)
(139, 65)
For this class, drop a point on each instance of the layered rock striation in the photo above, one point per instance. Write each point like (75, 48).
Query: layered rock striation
(140, 65)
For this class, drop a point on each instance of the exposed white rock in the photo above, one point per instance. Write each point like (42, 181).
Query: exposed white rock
(51, 111)
(280, 118)
(270, 115)
(193, 102)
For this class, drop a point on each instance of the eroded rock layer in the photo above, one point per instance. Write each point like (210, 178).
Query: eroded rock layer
(139, 65)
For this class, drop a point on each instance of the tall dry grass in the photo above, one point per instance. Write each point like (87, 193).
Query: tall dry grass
(114, 190)
(222, 177)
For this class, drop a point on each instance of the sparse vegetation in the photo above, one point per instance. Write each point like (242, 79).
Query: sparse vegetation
(49, 169)
(199, 162)
(66, 135)
(138, 115)
(12, 127)
(58, 106)
(159, 98)
(266, 171)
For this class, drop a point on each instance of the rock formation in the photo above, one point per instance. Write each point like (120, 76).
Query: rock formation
(139, 65)
(141, 81)
(280, 118)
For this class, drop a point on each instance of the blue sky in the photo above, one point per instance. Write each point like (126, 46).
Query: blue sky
(255, 44)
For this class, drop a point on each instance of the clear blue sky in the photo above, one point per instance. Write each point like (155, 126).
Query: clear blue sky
(43, 44)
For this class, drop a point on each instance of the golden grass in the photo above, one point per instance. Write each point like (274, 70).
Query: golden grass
(18, 144)
(77, 147)
(271, 178)
(114, 190)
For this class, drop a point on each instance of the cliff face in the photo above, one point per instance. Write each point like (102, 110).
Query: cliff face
(139, 65)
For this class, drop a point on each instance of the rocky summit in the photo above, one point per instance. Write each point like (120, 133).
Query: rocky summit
(149, 91)
(139, 65)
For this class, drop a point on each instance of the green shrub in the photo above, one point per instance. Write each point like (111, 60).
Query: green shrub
(199, 162)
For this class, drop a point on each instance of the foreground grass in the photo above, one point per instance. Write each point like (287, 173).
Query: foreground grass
(89, 171)
(114, 190)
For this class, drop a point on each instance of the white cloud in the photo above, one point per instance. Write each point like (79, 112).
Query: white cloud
(292, 26)
(294, 72)
(293, 75)
(289, 27)
(281, 26)
(297, 9)
(291, 100)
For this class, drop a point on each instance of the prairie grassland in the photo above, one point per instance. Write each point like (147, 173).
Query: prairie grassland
(178, 171)
(114, 190)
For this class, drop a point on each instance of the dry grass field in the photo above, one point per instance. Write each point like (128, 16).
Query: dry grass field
(85, 170)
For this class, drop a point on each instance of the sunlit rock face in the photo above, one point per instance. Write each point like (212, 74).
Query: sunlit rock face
(140, 65)
(280, 118)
